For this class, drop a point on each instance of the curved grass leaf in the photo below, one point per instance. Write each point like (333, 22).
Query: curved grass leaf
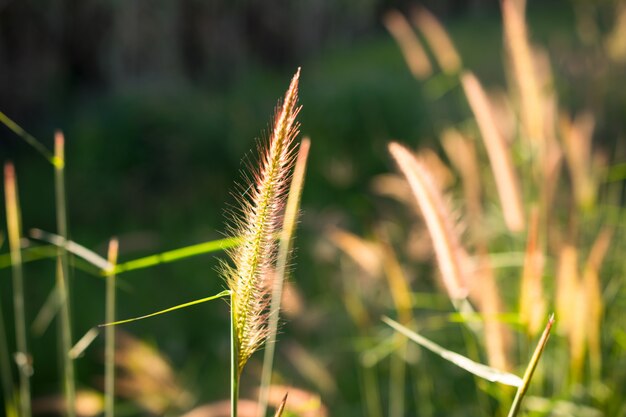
(478, 369)
(167, 310)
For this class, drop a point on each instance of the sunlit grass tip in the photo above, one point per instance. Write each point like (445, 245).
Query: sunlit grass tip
(257, 222)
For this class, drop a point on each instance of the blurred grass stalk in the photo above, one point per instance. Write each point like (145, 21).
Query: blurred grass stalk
(5, 371)
(289, 226)
(14, 232)
(63, 287)
(109, 334)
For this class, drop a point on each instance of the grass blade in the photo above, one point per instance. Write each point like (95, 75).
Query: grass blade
(145, 262)
(28, 138)
(72, 247)
(167, 310)
(14, 231)
(478, 369)
(289, 227)
(530, 369)
(177, 254)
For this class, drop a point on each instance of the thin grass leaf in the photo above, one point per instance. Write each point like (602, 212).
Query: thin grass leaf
(28, 138)
(177, 254)
(224, 293)
(72, 247)
(530, 369)
(478, 369)
(29, 254)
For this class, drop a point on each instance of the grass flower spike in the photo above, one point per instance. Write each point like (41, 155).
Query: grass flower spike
(257, 223)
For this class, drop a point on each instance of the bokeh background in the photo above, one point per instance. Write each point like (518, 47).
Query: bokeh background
(160, 103)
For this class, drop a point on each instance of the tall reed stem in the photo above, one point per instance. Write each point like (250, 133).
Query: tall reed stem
(286, 237)
(109, 334)
(65, 326)
(14, 231)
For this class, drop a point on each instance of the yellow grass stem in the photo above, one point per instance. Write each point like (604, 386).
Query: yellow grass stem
(281, 407)
(451, 258)
(289, 226)
(109, 334)
(14, 226)
(412, 50)
(500, 159)
(530, 369)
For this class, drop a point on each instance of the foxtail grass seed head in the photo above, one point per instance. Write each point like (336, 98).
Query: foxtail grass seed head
(451, 257)
(257, 223)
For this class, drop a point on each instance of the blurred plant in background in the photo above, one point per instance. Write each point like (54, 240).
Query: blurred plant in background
(522, 220)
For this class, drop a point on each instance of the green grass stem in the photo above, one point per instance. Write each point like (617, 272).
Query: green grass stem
(65, 325)
(109, 335)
